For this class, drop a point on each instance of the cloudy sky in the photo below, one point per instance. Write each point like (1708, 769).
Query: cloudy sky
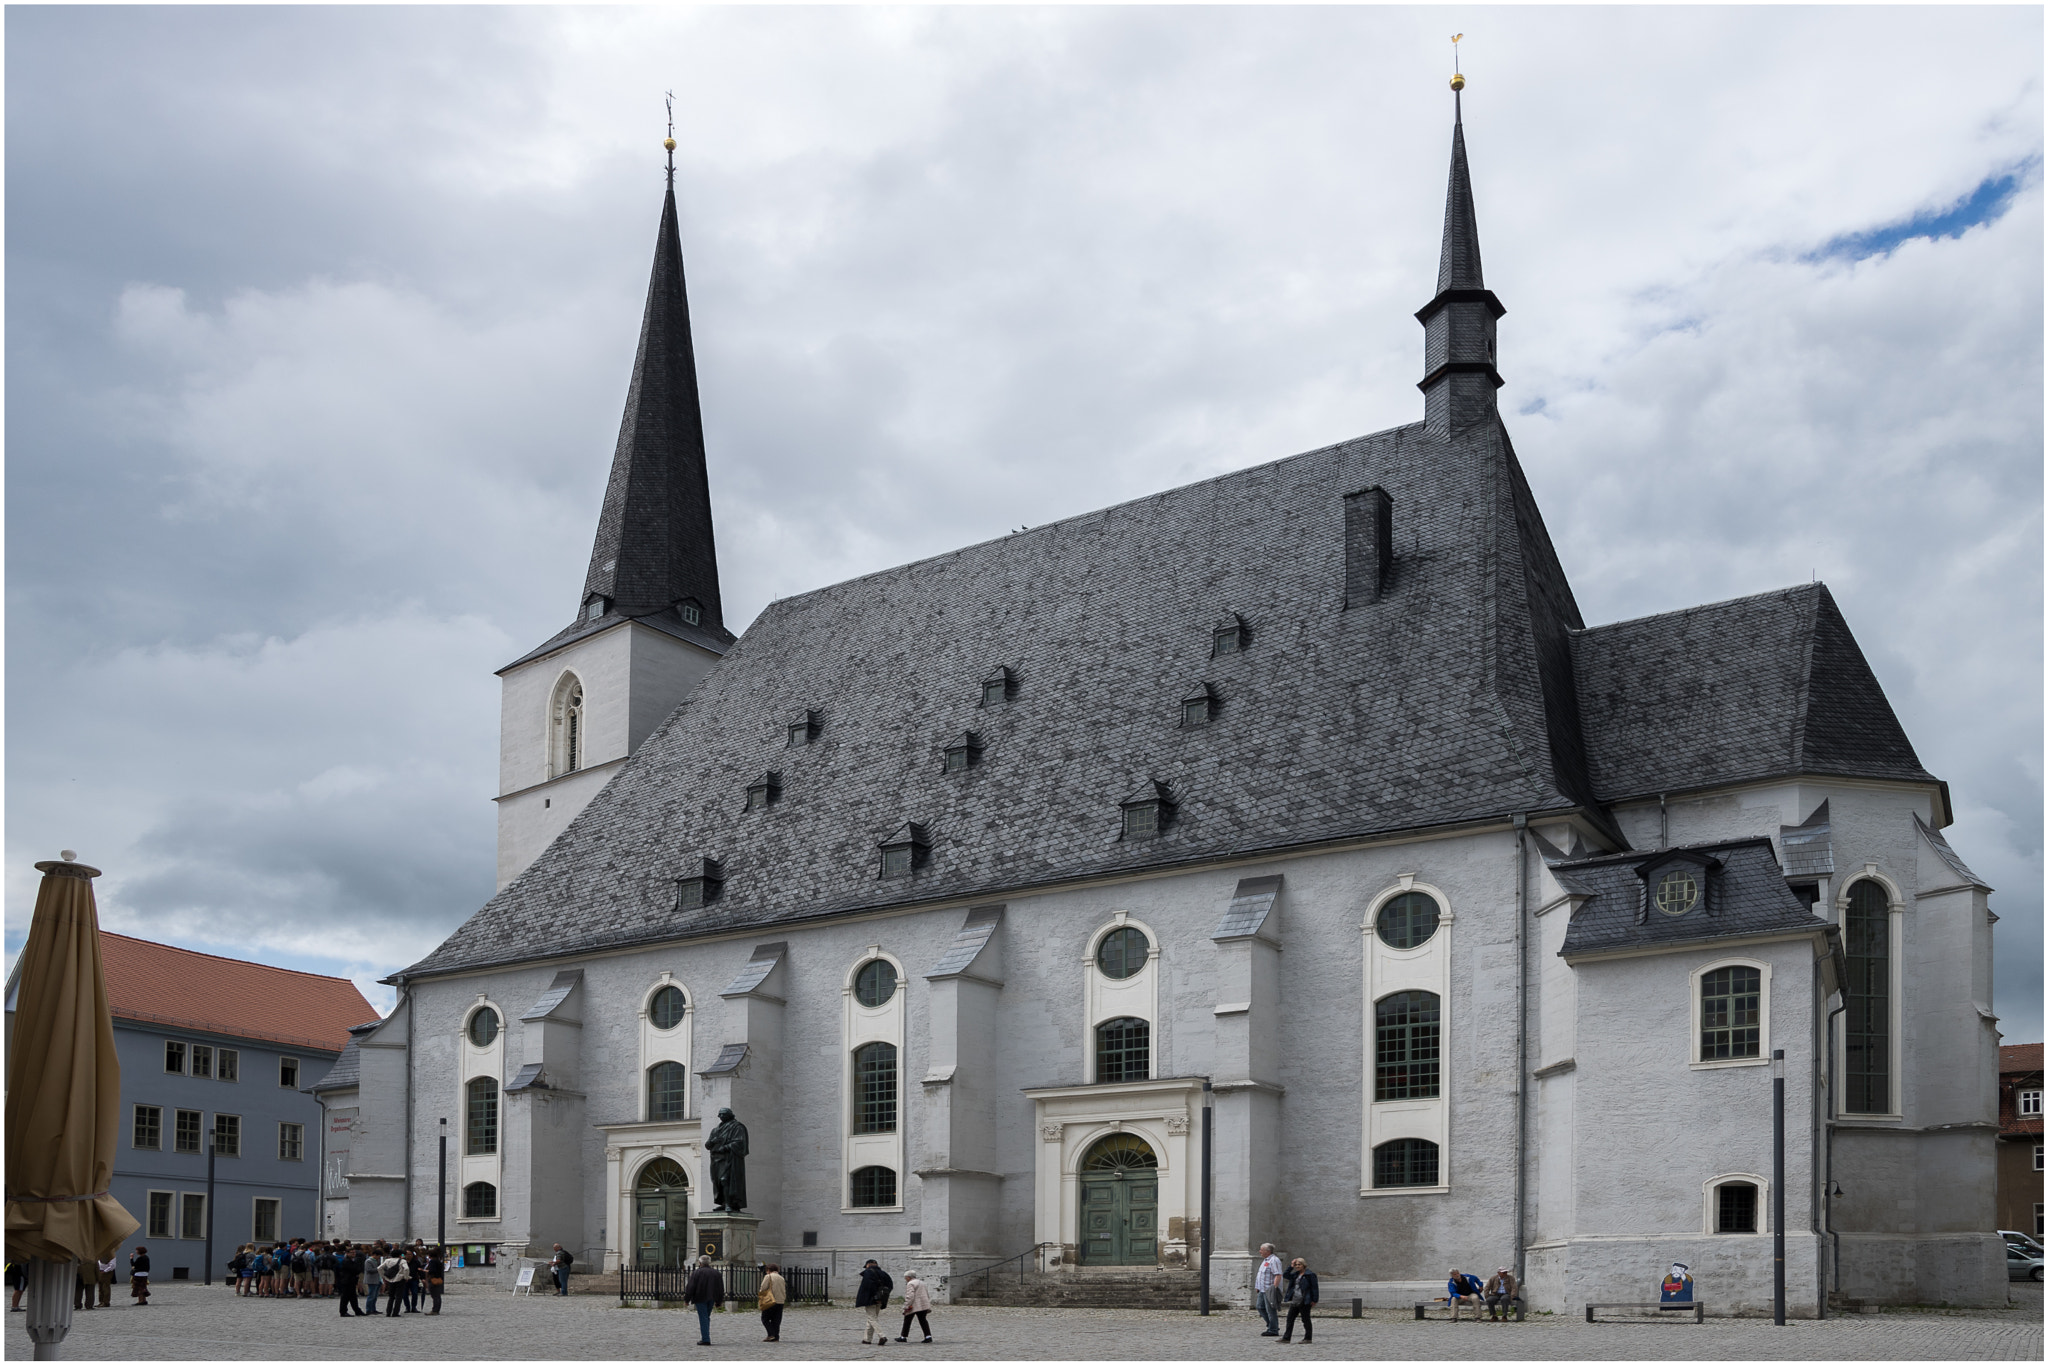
(319, 322)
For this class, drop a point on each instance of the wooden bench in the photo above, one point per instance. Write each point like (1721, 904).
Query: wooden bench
(1422, 1309)
(1698, 1308)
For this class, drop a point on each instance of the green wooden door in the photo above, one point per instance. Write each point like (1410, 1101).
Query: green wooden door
(661, 1214)
(1120, 1203)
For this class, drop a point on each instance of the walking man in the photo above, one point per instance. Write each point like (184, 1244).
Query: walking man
(348, 1268)
(706, 1289)
(871, 1299)
(1304, 1292)
(1269, 1302)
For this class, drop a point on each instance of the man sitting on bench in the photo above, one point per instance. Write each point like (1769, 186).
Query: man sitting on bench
(1501, 1292)
(1464, 1288)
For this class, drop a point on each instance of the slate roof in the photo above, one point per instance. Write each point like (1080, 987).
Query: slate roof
(180, 989)
(1948, 855)
(1468, 691)
(1759, 687)
(347, 1071)
(1746, 893)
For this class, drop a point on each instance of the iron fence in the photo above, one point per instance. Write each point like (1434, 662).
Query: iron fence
(742, 1283)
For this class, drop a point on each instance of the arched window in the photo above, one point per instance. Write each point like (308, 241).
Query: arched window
(874, 1187)
(565, 729)
(1405, 1161)
(874, 1094)
(1731, 1013)
(1123, 1050)
(1735, 1207)
(1407, 1046)
(480, 1199)
(480, 1123)
(668, 1086)
(1867, 1043)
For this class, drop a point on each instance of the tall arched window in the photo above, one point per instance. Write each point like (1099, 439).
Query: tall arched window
(480, 1123)
(1123, 1050)
(1406, 1046)
(667, 1087)
(1867, 1042)
(1731, 1013)
(874, 1089)
(565, 727)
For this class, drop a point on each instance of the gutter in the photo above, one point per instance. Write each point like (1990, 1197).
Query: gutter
(411, 1027)
(1521, 1056)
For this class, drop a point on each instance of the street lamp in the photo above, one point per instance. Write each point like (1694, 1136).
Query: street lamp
(1208, 1180)
(210, 1153)
(441, 1225)
(1778, 1186)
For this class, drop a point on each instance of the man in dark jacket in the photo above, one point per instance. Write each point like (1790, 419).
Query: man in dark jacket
(706, 1289)
(871, 1299)
(348, 1268)
(1304, 1292)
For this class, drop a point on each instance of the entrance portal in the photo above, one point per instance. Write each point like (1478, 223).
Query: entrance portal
(661, 1214)
(1120, 1202)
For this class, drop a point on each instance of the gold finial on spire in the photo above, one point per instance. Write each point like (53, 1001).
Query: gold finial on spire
(1457, 76)
(669, 142)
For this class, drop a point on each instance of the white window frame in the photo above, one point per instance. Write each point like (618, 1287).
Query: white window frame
(860, 1025)
(149, 1211)
(192, 1051)
(484, 1061)
(214, 1128)
(186, 1199)
(298, 1071)
(281, 1126)
(1709, 1199)
(2034, 1111)
(2037, 1156)
(220, 1059)
(667, 1045)
(200, 1150)
(184, 1054)
(558, 733)
(1693, 982)
(1134, 997)
(135, 1109)
(1390, 971)
(462, 1202)
(1896, 927)
(256, 1232)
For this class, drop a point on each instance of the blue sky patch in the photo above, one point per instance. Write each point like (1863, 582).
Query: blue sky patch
(1986, 203)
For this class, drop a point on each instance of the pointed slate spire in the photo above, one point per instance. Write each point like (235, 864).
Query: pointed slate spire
(1458, 324)
(654, 551)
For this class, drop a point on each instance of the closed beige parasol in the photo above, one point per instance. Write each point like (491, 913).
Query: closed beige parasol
(63, 1084)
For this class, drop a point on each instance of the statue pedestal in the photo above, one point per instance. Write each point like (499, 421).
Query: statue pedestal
(727, 1238)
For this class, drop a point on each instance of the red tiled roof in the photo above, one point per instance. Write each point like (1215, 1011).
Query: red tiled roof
(2019, 1068)
(159, 984)
(2019, 1057)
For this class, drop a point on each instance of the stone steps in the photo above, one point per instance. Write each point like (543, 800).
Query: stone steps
(1173, 1290)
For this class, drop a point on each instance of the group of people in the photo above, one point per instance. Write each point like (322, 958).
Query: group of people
(1292, 1286)
(873, 1296)
(1496, 1294)
(407, 1276)
(705, 1290)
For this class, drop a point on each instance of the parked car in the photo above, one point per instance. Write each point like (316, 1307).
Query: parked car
(2025, 1241)
(2021, 1263)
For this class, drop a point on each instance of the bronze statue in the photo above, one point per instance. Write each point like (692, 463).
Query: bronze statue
(728, 1148)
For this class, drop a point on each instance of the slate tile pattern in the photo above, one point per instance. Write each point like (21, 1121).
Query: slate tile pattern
(1746, 894)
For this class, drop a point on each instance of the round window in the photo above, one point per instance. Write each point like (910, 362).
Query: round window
(875, 983)
(483, 1027)
(1122, 953)
(667, 1007)
(1409, 920)
(1677, 893)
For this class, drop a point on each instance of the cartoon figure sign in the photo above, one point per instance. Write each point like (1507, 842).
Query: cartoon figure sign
(1677, 1286)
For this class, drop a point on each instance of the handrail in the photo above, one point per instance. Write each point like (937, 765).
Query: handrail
(1035, 1249)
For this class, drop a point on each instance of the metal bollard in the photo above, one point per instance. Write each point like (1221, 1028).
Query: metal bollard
(1419, 1308)
(1358, 1308)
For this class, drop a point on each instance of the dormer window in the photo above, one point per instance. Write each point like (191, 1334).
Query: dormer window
(594, 608)
(998, 687)
(1677, 884)
(702, 886)
(764, 792)
(905, 851)
(963, 753)
(1197, 708)
(1678, 891)
(1147, 812)
(1229, 636)
(803, 729)
(692, 613)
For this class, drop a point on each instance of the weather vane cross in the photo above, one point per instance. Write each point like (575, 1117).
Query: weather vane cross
(1457, 75)
(669, 142)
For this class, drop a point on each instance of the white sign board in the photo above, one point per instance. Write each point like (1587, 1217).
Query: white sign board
(525, 1279)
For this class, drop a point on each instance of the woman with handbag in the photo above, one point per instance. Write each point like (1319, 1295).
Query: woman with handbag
(1303, 1294)
(774, 1294)
(437, 1272)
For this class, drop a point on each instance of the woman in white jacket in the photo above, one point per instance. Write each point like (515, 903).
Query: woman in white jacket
(917, 1303)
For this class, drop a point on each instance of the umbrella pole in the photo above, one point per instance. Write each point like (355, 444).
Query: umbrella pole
(51, 1285)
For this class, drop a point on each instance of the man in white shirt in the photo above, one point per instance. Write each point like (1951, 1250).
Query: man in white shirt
(1267, 1285)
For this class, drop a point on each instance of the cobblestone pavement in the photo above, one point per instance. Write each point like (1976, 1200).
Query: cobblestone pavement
(194, 1322)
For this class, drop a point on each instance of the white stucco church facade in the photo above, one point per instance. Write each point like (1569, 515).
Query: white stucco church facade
(1302, 796)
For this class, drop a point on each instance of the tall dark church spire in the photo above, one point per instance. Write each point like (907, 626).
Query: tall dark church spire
(1458, 324)
(654, 552)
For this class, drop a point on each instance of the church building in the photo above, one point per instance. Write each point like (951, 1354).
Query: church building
(1298, 807)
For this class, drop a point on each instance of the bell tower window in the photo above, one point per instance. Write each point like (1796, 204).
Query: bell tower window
(566, 728)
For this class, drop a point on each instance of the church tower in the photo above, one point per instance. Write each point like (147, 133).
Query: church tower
(649, 625)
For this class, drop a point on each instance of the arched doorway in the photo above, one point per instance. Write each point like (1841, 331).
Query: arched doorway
(1120, 1202)
(661, 1216)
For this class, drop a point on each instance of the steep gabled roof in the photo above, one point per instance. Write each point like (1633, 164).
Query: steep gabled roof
(1758, 687)
(180, 989)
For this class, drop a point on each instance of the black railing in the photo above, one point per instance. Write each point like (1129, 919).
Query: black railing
(1012, 1272)
(742, 1283)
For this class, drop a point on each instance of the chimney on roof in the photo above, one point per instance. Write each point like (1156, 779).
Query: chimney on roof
(1368, 545)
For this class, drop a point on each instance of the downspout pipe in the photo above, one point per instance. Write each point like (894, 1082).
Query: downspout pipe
(411, 1027)
(1827, 1189)
(1521, 1056)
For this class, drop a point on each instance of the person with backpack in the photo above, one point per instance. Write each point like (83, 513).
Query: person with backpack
(395, 1274)
(706, 1289)
(774, 1294)
(558, 1267)
(871, 1298)
(917, 1303)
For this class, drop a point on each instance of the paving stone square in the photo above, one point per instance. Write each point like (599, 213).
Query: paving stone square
(197, 1322)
